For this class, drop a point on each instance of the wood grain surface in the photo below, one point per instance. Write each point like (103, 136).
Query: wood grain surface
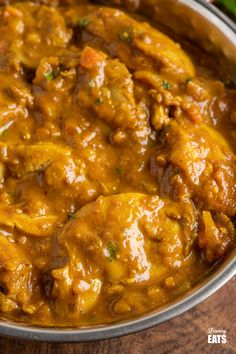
(184, 334)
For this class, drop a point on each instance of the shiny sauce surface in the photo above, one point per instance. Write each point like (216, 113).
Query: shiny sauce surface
(117, 165)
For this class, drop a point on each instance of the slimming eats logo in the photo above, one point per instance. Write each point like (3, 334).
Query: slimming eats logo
(216, 336)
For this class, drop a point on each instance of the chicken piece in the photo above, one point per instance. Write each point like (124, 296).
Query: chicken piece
(198, 163)
(61, 169)
(138, 45)
(42, 226)
(54, 82)
(39, 157)
(109, 240)
(216, 235)
(15, 98)
(15, 277)
(30, 33)
(99, 84)
(59, 163)
(106, 87)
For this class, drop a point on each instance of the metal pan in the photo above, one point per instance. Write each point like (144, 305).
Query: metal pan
(215, 33)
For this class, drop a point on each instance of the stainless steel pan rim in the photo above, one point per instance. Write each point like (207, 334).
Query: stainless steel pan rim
(206, 288)
(219, 14)
(212, 284)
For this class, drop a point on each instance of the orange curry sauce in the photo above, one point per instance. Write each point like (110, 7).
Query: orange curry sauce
(117, 165)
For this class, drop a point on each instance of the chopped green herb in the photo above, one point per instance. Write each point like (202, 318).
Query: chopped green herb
(126, 35)
(188, 80)
(118, 171)
(166, 85)
(51, 75)
(112, 248)
(165, 129)
(83, 22)
(71, 216)
(176, 171)
(98, 101)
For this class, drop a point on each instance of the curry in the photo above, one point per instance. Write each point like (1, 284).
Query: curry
(117, 164)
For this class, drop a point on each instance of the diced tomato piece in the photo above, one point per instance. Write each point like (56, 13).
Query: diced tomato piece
(91, 58)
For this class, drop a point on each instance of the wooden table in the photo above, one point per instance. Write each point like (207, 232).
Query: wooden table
(184, 334)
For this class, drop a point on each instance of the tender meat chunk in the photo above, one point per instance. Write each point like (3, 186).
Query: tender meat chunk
(106, 86)
(54, 82)
(195, 99)
(98, 84)
(15, 98)
(12, 216)
(197, 162)
(29, 32)
(62, 170)
(216, 235)
(60, 167)
(38, 157)
(137, 44)
(117, 171)
(98, 98)
(122, 238)
(15, 277)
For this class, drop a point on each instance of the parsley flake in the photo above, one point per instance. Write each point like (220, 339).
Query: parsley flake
(112, 249)
(83, 22)
(166, 85)
(176, 171)
(51, 75)
(126, 35)
(71, 216)
(98, 101)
